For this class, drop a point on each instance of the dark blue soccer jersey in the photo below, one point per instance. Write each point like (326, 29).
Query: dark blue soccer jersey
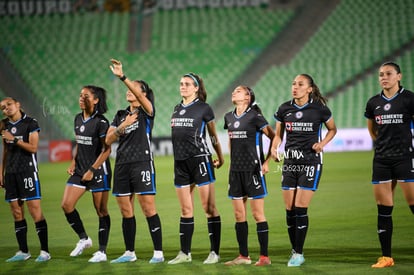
(188, 129)
(245, 135)
(303, 127)
(19, 160)
(135, 142)
(394, 119)
(88, 135)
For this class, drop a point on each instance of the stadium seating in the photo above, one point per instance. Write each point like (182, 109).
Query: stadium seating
(354, 37)
(58, 54)
(348, 107)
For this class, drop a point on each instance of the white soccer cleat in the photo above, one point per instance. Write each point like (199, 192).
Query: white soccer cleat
(98, 257)
(181, 258)
(80, 246)
(212, 258)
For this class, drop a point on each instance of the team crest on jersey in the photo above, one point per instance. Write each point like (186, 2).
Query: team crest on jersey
(13, 130)
(82, 128)
(182, 112)
(387, 106)
(236, 124)
(299, 115)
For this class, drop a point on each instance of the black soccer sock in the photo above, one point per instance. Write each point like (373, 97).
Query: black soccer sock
(385, 228)
(20, 228)
(129, 229)
(103, 232)
(186, 234)
(242, 231)
(291, 226)
(75, 222)
(263, 237)
(214, 233)
(41, 229)
(154, 225)
(302, 224)
(412, 208)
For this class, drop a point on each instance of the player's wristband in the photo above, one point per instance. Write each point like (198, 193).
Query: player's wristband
(15, 140)
(122, 78)
(93, 170)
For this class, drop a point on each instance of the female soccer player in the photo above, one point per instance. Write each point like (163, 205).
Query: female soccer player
(246, 126)
(90, 170)
(390, 121)
(134, 171)
(302, 119)
(20, 178)
(193, 165)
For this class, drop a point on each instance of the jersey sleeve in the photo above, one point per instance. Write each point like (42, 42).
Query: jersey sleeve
(117, 119)
(34, 126)
(261, 121)
(278, 115)
(103, 126)
(411, 105)
(74, 123)
(326, 113)
(368, 110)
(225, 122)
(208, 114)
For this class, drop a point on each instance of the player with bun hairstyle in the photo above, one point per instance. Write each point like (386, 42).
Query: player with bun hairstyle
(390, 121)
(246, 126)
(20, 177)
(90, 170)
(134, 173)
(302, 119)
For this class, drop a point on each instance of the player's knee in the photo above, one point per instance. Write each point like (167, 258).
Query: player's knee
(17, 214)
(259, 217)
(209, 209)
(102, 212)
(66, 207)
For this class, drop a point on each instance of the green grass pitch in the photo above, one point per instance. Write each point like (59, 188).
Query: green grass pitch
(342, 237)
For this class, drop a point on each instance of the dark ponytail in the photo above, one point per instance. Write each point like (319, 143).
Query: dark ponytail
(252, 104)
(315, 94)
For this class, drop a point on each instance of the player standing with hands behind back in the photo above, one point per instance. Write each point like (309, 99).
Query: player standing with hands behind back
(390, 121)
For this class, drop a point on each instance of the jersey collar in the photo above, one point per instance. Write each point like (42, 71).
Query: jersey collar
(396, 94)
(128, 109)
(292, 102)
(17, 121)
(244, 113)
(189, 104)
(89, 118)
